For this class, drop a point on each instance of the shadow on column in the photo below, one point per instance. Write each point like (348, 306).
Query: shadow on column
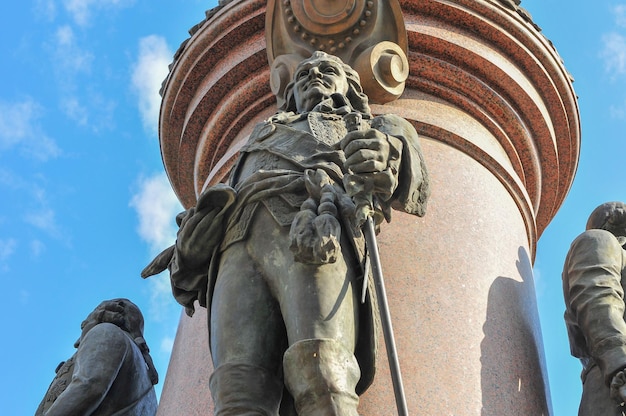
(513, 379)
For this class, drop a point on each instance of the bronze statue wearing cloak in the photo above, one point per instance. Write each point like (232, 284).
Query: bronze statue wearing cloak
(277, 256)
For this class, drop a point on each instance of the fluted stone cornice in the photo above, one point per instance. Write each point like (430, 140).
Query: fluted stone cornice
(490, 61)
(483, 79)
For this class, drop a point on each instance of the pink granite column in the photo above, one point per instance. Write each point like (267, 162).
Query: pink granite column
(497, 116)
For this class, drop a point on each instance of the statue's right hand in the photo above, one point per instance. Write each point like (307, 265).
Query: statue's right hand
(618, 387)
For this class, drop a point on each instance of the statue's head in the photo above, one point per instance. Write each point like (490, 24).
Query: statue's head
(121, 312)
(610, 216)
(319, 77)
(127, 316)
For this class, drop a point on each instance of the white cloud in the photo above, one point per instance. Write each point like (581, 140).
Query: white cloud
(45, 9)
(157, 206)
(43, 148)
(79, 9)
(98, 116)
(44, 219)
(620, 15)
(36, 248)
(614, 53)
(149, 72)
(16, 122)
(167, 344)
(68, 57)
(19, 126)
(9, 179)
(75, 72)
(72, 108)
(82, 10)
(36, 209)
(7, 248)
(12, 181)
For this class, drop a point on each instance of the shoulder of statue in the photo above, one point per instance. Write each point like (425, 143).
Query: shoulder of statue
(597, 236)
(601, 242)
(393, 124)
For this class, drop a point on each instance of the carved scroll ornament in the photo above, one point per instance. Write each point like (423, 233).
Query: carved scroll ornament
(369, 35)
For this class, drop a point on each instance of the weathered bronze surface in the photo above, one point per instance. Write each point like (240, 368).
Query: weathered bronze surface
(111, 373)
(593, 284)
(278, 256)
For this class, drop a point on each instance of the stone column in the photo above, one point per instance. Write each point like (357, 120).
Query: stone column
(499, 124)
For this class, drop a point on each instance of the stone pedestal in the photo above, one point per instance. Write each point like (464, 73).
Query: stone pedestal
(499, 125)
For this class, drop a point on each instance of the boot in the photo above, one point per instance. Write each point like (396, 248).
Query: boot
(245, 390)
(321, 375)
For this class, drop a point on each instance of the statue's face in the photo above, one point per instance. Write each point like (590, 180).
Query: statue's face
(316, 80)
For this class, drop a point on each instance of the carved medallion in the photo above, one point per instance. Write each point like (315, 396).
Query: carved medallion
(350, 29)
(329, 25)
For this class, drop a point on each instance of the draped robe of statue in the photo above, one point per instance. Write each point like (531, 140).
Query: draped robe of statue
(593, 281)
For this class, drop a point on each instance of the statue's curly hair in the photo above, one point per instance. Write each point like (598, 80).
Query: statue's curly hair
(357, 99)
(610, 216)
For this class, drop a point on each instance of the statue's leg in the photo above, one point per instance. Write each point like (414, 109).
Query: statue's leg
(247, 340)
(322, 376)
(318, 303)
(240, 389)
(320, 369)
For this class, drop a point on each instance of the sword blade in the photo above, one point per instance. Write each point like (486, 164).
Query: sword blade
(385, 316)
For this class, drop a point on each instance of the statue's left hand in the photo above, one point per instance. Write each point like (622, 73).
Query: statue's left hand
(195, 237)
(618, 387)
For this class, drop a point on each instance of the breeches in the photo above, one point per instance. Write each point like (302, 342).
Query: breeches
(264, 301)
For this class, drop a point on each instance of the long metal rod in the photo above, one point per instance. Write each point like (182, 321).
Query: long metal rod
(385, 316)
(353, 122)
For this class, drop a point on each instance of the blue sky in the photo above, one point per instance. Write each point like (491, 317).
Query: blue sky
(85, 203)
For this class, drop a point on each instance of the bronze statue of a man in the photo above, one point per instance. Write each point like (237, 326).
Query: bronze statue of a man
(111, 373)
(593, 285)
(278, 258)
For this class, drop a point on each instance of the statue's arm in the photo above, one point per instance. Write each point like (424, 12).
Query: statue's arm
(412, 190)
(596, 298)
(200, 232)
(98, 360)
